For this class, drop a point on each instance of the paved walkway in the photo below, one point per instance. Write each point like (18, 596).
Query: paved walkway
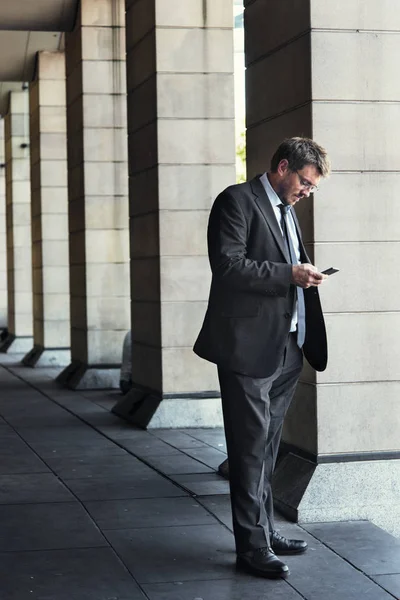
(93, 509)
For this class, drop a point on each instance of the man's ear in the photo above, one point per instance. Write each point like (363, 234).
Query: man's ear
(283, 166)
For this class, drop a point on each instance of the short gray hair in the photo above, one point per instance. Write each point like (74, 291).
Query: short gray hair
(300, 152)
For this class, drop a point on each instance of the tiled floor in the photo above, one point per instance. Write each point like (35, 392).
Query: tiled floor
(93, 509)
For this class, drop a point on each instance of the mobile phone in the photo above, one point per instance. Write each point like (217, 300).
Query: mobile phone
(329, 271)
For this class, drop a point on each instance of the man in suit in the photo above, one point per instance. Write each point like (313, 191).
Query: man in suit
(263, 314)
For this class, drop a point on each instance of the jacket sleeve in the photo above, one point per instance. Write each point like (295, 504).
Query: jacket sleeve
(227, 248)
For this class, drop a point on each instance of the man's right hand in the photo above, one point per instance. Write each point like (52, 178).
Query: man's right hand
(306, 275)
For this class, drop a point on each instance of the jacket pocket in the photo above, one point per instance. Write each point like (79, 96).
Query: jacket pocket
(241, 310)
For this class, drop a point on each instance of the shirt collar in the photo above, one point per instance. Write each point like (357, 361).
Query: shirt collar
(272, 195)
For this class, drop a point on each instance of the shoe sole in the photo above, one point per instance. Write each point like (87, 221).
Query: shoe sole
(244, 566)
(289, 552)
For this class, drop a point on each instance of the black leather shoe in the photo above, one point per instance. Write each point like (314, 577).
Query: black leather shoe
(263, 562)
(281, 545)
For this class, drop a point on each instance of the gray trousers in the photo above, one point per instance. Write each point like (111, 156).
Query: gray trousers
(254, 411)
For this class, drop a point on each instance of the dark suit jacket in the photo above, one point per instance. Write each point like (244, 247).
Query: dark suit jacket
(251, 298)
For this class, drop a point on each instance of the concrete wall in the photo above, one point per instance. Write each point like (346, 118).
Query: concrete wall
(18, 210)
(3, 242)
(181, 155)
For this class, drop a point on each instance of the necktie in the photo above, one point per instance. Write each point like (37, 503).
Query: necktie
(301, 309)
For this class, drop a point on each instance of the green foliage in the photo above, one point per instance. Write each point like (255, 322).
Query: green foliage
(241, 158)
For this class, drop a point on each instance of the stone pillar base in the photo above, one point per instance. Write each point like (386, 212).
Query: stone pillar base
(151, 410)
(44, 357)
(80, 376)
(339, 491)
(16, 345)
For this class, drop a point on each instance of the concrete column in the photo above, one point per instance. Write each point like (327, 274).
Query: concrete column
(18, 215)
(3, 243)
(318, 70)
(181, 155)
(49, 193)
(97, 194)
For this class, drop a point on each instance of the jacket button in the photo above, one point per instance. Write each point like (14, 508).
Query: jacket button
(287, 315)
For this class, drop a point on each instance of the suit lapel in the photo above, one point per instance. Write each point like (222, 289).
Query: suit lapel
(264, 204)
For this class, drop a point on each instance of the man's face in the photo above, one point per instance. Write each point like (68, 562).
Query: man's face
(295, 185)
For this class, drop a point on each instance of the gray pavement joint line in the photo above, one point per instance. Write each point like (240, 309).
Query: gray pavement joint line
(108, 544)
(223, 458)
(141, 459)
(193, 495)
(30, 384)
(348, 561)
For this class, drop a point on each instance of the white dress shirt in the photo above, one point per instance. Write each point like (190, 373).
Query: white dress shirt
(275, 201)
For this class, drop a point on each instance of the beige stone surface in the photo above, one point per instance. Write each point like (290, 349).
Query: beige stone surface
(55, 253)
(182, 154)
(104, 111)
(367, 148)
(98, 187)
(105, 179)
(355, 15)
(188, 141)
(185, 278)
(197, 13)
(200, 96)
(183, 233)
(362, 66)
(53, 199)
(367, 200)
(17, 173)
(183, 371)
(102, 13)
(105, 346)
(55, 227)
(204, 181)
(56, 334)
(344, 417)
(112, 210)
(54, 89)
(195, 50)
(105, 145)
(362, 347)
(369, 267)
(52, 146)
(181, 322)
(107, 246)
(113, 277)
(103, 77)
(52, 172)
(20, 324)
(52, 280)
(103, 43)
(51, 65)
(108, 313)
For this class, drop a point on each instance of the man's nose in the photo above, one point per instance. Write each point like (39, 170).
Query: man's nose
(307, 192)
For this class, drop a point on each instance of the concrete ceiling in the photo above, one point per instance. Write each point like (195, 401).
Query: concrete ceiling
(18, 51)
(38, 15)
(26, 27)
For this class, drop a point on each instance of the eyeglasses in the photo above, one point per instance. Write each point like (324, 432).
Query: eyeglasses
(306, 184)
